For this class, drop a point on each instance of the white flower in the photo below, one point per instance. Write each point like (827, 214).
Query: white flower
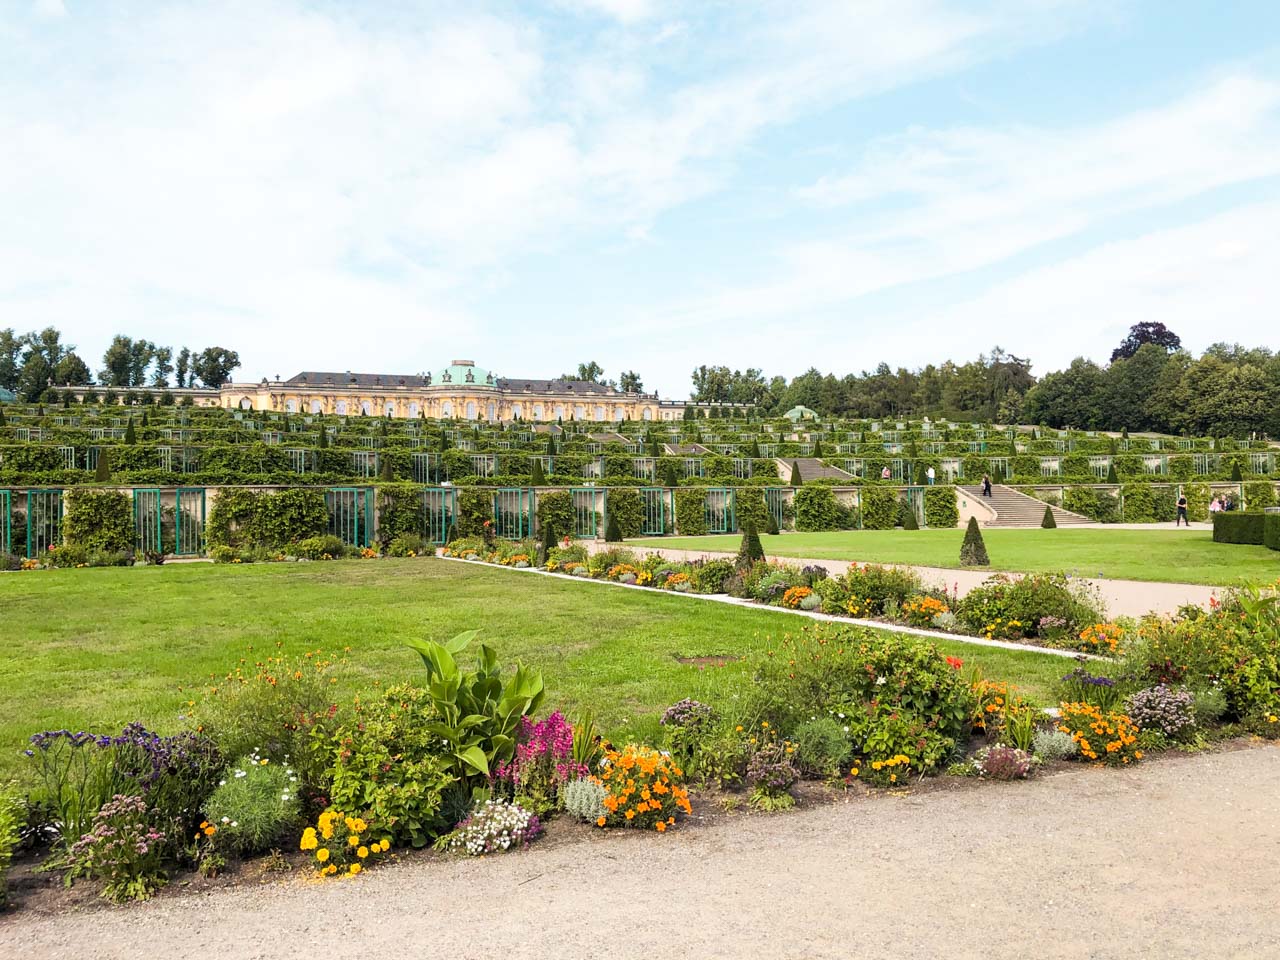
(880, 681)
(226, 819)
(235, 823)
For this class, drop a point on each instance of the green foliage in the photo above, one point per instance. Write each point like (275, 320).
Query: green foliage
(879, 508)
(257, 518)
(1260, 494)
(475, 508)
(691, 514)
(1092, 503)
(255, 806)
(909, 521)
(973, 551)
(822, 747)
(326, 547)
(940, 507)
(537, 476)
(1239, 527)
(386, 764)
(102, 472)
(11, 819)
(478, 711)
(796, 480)
(130, 433)
(626, 509)
(98, 520)
(400, 512)
(749, 506)
(816, 508)
(1047, 522)
(555, 510)
(1271, 531)
(611, 532)
(1010, 608)
(750, 551)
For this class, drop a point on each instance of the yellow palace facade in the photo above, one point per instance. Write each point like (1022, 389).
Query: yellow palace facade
(460, 391)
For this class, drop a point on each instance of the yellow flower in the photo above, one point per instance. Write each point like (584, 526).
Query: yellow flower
(322, 854)
(308, 840)
(353, 840)
(362, 852)
(386, 844)
(355, 868)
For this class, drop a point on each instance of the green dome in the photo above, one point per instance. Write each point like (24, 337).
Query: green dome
(464, 372)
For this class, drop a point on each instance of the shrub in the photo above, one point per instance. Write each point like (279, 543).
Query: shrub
(555, 510)
(326, 547)
(1053, 744)
(256, 518)
(816, 508)
(691, 517)
(940, 508)
(822, 746)
(794, 596)
(583, 799)
(275, 706)
(879, 508)
(1095, 504)
(1000, 762)
(496, 825)
(643, 789)
(771, 769)
(909, 521)
(1167, 709)
(341, 844)
(385, 763)
(475, 510)
(712, 575)
(973, 551)
(255, 805)
(1260, 494)
(1081, 686)
(611, 532)
(98, 520)
(750, 550)
(1012, 608)
(1102, 736)
(749, 507)
(867, 590)
(123, 849)
(11, 818)
(922, 611)
(1271, 531)
(410, 545)
(1048, 522)
(1238, 527)
(626, 508)
(1209, 706)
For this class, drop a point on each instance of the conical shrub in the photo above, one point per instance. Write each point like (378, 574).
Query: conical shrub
(102, 473)
(611, 532)
(1048, 523)
(796, 479)
(537, 476)
(909, 521)
(973, 552)
(130, 433)
(750, 550)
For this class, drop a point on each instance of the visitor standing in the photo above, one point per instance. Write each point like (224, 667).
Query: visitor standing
(986, 485)
(930, 476)
(1182, 511)
(885, 474)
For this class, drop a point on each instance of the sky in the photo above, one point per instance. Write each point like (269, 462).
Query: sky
(386, 185)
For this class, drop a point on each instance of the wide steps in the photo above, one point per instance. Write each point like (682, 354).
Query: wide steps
(1015, 509)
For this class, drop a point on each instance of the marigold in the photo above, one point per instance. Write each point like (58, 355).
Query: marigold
(322, 854)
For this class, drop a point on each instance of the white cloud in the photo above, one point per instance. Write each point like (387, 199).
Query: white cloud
(52, 9)
(626, 11)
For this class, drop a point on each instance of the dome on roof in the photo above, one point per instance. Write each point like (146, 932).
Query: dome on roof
(465, 372)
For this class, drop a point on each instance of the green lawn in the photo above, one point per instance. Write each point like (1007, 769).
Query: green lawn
(96, 648)
(1173, 556)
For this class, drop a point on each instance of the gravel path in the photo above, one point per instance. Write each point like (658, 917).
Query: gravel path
(1174, 859)
(1127, 598)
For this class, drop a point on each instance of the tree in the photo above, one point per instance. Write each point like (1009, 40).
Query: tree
(1048, 522)
(537, 477)
(323, 440)
(386, 471)
(750, 551)
(611, 532)
(213, 366)
(591, 372)
(164, 367)
(71, 370)
(796, 479)
(630, 382)
(34, 377)
(1146, 332)
(11, 347)
(973, 551)
(116, 361)
(130, 433)
(184, 367)
(102, 473)
(909, 519)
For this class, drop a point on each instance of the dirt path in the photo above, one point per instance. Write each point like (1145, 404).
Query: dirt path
(1178, 858)
(1127, 598)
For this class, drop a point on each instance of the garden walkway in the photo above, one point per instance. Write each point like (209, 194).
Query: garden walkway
(1172, 859)
(1131, 598)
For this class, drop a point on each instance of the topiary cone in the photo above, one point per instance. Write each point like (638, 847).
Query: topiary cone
(1048, 523)
(750, 550)
(973, 552)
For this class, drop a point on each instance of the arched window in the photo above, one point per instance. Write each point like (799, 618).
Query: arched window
(491, 413)
(317, 406)
(413, 410)
(618, 415)
(537, 411)
(517, 411)
(646, 414)
(599, 413)
(579, 411)
(291, 406)
(391, 409)
(446, 410)
(559, 412)
(246, 403)
(366, 408)
(471, 409)
(342, 408)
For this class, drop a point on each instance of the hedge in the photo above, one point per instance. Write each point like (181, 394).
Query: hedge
(879, 508)
(749, 505)
(816, 508)
(1271, 531)
(1238, 527)
(555, 510)
(626, 509)
(691, 511)
(940, 509)
(98, 520)
(253, 517)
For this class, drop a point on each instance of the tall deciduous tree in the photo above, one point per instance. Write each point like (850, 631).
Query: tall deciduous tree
(1143, 333)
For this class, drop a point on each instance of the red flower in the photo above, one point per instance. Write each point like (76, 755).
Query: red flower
(955, 662)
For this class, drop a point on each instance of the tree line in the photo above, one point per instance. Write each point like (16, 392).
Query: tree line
(30, 363)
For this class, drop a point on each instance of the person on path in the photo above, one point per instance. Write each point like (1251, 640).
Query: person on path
(930, 476)
(986, 485)
(1182, 511)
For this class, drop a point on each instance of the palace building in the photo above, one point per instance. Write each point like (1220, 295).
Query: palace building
(460, 391)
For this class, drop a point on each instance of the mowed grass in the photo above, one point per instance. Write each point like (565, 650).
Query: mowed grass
(1158, 554)
(93, 649)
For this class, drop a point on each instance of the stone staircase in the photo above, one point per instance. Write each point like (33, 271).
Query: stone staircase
(1014, 509)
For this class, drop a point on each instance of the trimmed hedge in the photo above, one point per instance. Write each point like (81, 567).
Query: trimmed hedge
(98, 520)
(1271, 531)
(1238, 527)
(691, 511)
(626, 509)
(817, 509)
(258, 518)
(940, 508)
(879, 508)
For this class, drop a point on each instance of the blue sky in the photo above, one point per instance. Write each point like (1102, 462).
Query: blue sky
(652, 185)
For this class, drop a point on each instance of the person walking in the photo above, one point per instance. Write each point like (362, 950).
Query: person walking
(930, 476)
(1182, 511)
(986, 485)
